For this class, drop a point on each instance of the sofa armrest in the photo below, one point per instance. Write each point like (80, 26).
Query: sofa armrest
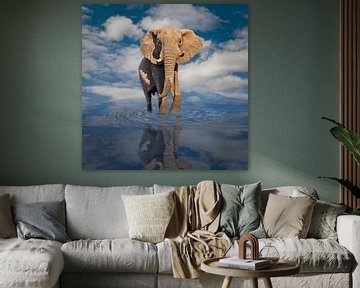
(348, 230)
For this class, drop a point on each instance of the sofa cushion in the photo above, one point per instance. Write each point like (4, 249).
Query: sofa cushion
(291, 191)
(287, 216)
(7, 226)
(36, 193)
(240, 210)
(30, 263)
(98, 213)
(323, 222)
(117, 255)
(149, 215)
(313, 255)
(164, 257)
(43, 220)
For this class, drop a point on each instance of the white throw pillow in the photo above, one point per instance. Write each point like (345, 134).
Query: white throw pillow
(149, 215)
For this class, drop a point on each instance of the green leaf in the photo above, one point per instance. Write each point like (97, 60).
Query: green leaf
(355, 211)
(347, 184)
(333, 121)
(348, 138)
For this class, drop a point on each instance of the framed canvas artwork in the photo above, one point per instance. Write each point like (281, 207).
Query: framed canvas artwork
(164, 87)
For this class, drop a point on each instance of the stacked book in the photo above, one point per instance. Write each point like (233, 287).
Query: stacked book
(248, 264)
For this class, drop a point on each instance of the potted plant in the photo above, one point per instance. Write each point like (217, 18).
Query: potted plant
(351, 141)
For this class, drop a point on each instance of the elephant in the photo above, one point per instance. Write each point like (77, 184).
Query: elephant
(163, 50)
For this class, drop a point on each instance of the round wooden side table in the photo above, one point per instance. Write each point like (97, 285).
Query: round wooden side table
(281, 268)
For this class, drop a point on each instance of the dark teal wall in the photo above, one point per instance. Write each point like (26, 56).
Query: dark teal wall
(293, 62)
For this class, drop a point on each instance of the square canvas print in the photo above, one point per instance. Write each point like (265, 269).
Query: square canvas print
(164, 87)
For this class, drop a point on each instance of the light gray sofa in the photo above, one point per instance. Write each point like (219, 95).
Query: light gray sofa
(101, 254)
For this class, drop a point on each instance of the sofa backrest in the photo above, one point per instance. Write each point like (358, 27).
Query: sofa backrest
(162, 188)
(98, 212)
(36, 193)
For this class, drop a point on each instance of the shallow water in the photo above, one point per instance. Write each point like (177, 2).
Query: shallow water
(206, 136)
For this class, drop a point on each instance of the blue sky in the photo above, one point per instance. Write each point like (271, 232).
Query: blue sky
(111, 37)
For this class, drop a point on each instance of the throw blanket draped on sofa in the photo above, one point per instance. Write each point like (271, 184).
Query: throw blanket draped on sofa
(191, 231)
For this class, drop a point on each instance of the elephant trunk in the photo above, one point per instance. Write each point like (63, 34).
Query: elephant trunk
(169, 63)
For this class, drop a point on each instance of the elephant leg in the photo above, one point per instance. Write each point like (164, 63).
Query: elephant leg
(147, 82)
(162, 104)
(176, 104)
(148, 91)
(148, 102)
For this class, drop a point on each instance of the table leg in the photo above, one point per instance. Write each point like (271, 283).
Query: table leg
(227, 282)
(254, 282)
(267, 283)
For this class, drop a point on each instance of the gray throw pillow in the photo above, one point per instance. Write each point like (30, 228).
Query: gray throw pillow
(323, 222)
(240, 213)
(7, 226)
(44, 220)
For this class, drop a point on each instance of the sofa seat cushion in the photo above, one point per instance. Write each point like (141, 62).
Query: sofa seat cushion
(30, 263)
(313, 255)
(115, 255)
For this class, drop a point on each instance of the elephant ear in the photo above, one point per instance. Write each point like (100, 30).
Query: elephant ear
(147, 45)
(191, 44)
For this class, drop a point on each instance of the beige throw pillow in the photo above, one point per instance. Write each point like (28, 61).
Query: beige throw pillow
(149, 215)
(7, 226)
(288, 217)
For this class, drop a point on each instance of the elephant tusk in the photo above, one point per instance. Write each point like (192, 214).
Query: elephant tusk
(158, 60)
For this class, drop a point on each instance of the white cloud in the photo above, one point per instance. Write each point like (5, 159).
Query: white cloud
(102, 59)
(150, 22)
(127, 60)
(88, 64)
(241, 33)
(180, 16)
(216, 70)
(227, 82)
(86, 10)
(93, 49)
(215, 74)
(117, 27)
(90, 45)
(86, 13)
(234, 45)
(115, 93)
(206, 49)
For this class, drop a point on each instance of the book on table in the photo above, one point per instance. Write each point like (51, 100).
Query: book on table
(249, 264)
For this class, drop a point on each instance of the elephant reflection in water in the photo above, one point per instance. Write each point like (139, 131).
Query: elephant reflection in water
(158, 148)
